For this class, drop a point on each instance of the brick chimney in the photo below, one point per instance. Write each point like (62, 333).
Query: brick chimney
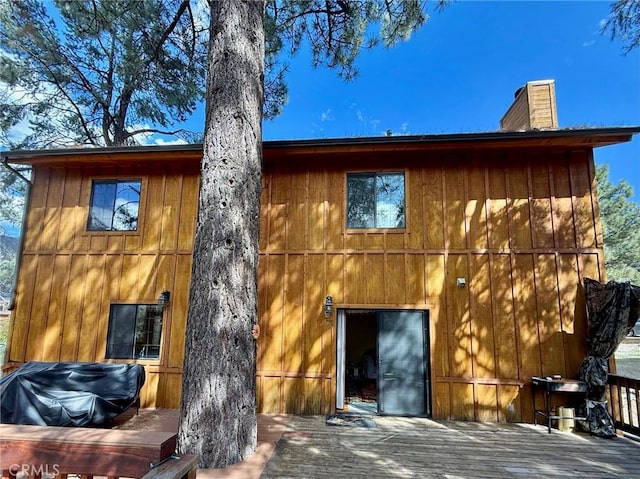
(534, 108)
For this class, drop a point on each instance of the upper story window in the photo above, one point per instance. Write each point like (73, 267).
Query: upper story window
(375, 200)
(114, 205)
(134, 331)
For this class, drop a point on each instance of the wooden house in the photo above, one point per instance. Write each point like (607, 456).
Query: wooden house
(458, 258)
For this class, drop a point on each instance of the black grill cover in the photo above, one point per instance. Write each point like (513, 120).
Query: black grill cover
(69, 394)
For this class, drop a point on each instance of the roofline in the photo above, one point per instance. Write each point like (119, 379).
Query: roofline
(457, 137)
(462, 138)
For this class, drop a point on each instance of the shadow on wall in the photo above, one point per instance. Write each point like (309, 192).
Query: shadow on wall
(523, 311)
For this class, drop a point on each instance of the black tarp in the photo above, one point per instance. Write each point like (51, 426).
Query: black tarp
(612, 310)
(69, 394)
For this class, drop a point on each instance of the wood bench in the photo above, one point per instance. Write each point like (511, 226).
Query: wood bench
(41, 450)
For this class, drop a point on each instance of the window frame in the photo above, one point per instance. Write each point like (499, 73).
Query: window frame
(110, 179)
(375, 173)
(132, 357)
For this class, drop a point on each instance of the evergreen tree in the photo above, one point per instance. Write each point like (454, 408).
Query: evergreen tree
(104, 72)
(13, 187)
(620, 224)
(12, 196)
(218, 415)
(97, 72)
(7, 267)
(624, 23)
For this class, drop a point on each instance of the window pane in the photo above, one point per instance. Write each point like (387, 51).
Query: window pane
(390, 200)
(134, 331)
(361, 204)
(375, 200)
(102, 201)
(148, 332)
(114, 206)
(122, 320)
(127, 199)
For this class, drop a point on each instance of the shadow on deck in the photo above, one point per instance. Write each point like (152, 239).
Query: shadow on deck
(305, 446)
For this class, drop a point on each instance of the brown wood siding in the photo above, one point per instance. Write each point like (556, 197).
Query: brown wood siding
(70, 276)
(522, 228)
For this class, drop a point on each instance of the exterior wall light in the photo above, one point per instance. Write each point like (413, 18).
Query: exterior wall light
(164, 298)
(328, 306)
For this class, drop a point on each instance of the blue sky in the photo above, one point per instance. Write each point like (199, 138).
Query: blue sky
(459, 72)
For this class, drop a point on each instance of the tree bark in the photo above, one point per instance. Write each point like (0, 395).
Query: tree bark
(218, 407)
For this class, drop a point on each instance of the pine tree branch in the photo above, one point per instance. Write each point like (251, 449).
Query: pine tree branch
(54, 81)
(133, 133)
(169, 30)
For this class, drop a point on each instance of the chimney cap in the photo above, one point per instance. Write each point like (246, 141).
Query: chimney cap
(518, 91)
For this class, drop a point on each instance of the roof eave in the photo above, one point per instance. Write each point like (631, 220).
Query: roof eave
(568, 138)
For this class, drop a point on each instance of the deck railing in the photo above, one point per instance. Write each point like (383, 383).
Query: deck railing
(624, 403)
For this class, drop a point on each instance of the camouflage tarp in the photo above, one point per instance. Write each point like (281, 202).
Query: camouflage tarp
(612, 311)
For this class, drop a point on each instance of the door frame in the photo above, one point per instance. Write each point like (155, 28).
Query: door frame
(341, 367)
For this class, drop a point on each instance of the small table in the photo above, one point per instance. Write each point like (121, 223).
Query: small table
(551, 386)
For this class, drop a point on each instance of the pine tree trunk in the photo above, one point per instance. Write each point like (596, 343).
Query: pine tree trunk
(218, 408)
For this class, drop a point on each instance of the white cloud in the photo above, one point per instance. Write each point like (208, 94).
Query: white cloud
(596, 34)
(326, 115)
(163, 142)
(20, 96)
(19, 131)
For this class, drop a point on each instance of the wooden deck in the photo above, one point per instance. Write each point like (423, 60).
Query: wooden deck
(270, 430)
(305, 447)
(420, 448)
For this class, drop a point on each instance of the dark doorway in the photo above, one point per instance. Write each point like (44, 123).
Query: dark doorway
(361, 376)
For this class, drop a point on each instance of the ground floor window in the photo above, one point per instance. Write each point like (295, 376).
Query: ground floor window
(134, 331)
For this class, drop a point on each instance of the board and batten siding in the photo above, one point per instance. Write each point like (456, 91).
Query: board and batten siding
(69, 276)
(521, 228)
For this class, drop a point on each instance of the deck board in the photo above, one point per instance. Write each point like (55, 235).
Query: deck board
(402, 447)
